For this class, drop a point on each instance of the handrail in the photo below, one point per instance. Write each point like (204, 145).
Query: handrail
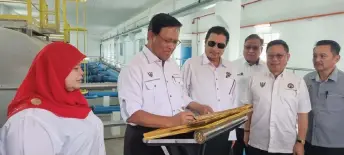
(42, 22)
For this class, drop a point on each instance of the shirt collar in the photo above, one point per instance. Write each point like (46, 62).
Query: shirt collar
(206, 61)
(281, 75)
(258, 62)
(151, 57)
(333, 76)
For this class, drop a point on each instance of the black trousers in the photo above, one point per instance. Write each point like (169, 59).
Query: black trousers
(239, 146)
(133, 144)
(219, 145)
(317, 150)
(254, 151)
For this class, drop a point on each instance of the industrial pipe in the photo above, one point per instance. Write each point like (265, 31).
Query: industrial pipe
(248, 3)
(296, 19)
(102, 93)
(178, 12)
(97, 109)
(287, 20)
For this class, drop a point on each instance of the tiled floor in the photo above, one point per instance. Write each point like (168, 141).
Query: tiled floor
(114, 146)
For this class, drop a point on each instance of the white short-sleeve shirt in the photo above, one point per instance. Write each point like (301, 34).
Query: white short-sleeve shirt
(276, 103)
(145, 84)
(244, 71)
(210, 85)
(40, 132)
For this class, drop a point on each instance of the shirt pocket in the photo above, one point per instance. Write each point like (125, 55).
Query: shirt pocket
(335, 102)
(177, 79)
(150, 90)
(289, 100)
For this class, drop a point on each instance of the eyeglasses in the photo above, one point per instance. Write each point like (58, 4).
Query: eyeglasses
(278, 56)
(219, 45)
(169, 41)
(248, 47)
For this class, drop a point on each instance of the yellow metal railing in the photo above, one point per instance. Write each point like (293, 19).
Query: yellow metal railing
(42, 21)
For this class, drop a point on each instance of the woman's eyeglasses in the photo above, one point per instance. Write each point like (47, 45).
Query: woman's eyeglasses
(219, 45)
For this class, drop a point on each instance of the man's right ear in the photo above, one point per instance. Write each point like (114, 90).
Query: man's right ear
(150, 35)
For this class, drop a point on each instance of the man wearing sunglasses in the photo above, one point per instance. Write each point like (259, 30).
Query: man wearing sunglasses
(246, 67)
(281, 104)
(150, 88)
(209, 79)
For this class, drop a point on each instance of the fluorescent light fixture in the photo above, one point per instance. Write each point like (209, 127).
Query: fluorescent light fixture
(262, 25)
(209, 6)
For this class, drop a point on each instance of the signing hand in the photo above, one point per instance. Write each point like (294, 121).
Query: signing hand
(204, 109)
(182, 118)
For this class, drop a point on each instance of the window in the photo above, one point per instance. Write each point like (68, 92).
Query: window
(267, 38)
(121, 49)
(141, 44)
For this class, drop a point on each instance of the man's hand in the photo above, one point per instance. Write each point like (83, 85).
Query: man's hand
(299, 149)
(246, 137)
(204, 109)
(181, 118)
(201, 109)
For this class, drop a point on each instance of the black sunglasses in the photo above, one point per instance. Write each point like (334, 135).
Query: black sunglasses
(219, 45)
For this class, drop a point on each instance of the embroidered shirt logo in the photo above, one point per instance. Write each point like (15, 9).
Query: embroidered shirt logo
(262, 84)
(150, 74)
(228, 74)
(290, 85)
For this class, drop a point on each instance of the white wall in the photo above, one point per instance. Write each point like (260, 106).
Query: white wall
(92, 42)
(300, 35)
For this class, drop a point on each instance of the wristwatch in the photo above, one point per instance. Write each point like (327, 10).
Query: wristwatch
(301, 141)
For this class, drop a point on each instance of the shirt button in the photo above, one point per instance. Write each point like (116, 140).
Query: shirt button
(170, 95)
(216, 78)
(218, 100)
(217, 88)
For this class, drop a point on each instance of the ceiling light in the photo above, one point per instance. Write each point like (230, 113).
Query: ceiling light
(262, 25)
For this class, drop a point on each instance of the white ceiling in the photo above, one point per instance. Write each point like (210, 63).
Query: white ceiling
(102, 15)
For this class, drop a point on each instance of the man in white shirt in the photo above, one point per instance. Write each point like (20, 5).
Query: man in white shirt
(280, 103)
(249, 65)
(209, 79)
(150, 88)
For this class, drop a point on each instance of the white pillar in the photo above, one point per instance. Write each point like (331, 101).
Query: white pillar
(229, 12)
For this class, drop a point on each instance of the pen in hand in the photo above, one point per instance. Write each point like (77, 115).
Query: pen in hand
(183, 109)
